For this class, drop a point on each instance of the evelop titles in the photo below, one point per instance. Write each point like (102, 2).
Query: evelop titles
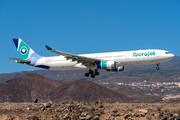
(149, 53)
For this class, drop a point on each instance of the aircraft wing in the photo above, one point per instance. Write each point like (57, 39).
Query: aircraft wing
(23, 61)
(80, 59)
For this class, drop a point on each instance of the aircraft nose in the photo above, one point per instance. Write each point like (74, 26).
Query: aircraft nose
(172, 55)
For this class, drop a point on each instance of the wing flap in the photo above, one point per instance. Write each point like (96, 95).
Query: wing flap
(79, 59)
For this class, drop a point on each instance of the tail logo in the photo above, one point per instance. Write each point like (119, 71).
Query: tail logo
(23, 50)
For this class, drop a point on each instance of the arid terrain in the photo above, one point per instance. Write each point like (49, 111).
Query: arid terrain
(32, 86)
(89, 111)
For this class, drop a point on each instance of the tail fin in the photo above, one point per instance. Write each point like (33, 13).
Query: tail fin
(35, 101)
(24, 50)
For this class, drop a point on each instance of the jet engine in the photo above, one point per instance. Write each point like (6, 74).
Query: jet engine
(117, 69)
(106, 65)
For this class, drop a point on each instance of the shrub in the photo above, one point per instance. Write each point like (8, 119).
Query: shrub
(95, 102)
(101, 105)
(100, 102)
(64, 102)
(83, 102)
(71, 102)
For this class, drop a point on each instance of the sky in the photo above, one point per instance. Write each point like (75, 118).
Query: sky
(87, 26)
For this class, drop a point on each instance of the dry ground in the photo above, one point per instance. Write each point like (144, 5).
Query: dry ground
(89, 111)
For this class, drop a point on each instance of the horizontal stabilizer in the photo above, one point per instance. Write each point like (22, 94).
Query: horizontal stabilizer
(23, 61)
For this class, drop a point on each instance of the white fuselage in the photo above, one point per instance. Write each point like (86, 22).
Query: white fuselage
(125, 58)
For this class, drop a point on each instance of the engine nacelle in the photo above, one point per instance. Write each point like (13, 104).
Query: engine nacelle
(107, 65)
(117, 69)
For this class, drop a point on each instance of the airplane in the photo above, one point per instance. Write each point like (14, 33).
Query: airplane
(109, 61)
(35, 101)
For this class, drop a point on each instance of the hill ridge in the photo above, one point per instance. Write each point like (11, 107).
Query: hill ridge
(31, 86)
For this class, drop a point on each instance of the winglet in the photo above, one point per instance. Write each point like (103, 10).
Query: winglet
(48, 48)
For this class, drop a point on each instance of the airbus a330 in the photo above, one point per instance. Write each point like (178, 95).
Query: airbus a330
(109, 61)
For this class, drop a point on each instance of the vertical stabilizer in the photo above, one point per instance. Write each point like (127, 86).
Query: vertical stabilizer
(24, 50)
(35, 101)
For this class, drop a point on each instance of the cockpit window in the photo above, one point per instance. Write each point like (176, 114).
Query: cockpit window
(167, 53)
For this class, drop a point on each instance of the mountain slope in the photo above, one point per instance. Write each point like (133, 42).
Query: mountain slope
(79, 90)
(27, 88)
(31, 86)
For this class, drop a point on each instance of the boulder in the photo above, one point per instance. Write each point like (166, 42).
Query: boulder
(82, 118)
(115, 111)
(96, 117)
(47, 105)
(83, 114)
(88, 117)
(143, 110)
(126, 116)
(164, 118)
(66, 116)
(177, 118)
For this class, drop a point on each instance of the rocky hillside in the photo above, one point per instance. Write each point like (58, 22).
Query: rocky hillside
(31, 86)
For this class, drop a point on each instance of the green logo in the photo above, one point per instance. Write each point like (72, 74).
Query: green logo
(23, 50)
(143, 54)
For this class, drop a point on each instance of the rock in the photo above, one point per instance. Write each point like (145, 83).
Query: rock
(29, 108)
(66, 110)
(96, 117)
(47, 105)
(66, 116)
(88, 117)
(69, 105)
(35, 118)
(136, 115)
(164, 118)
(111, 118)
(49, 109)
(115, 111)
(35, 109)
(101, 110)
(51, 102)
(152, 114)
(118, 118)
(78, 105)
(42, 108)
(83, 114)
(97, 114)
(143, 110)
(142, 115)
(177, 117)
(121, 113)
(82, 118)
(92, 109)
(58, 110)
(117, 114)
(126, 116)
